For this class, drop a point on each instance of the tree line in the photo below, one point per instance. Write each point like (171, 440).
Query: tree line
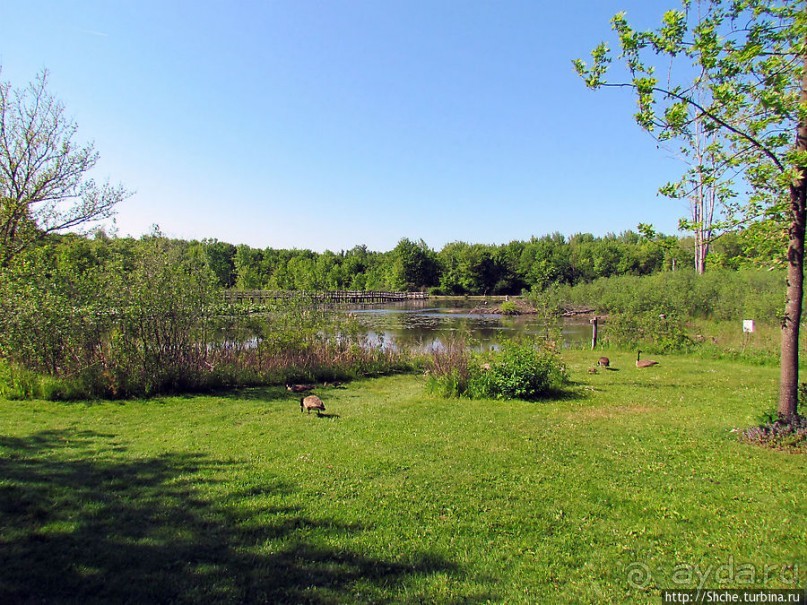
(462, 268)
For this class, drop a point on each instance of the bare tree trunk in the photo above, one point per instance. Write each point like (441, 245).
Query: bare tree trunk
(701, 250)
(789, 377)
(704, 196)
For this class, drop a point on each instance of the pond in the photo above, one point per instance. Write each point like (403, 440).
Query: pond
(425, 324)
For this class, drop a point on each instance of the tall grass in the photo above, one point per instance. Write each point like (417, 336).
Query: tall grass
(720, 295)
(685, 312)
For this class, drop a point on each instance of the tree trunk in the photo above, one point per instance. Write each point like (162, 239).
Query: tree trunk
(789, 378)
(789, 375)
(701, 250)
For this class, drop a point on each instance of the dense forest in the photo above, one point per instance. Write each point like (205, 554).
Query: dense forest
(461, 268)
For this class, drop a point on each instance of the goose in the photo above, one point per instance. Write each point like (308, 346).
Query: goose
(644, 363)
(604, 362)
(312, 402)
(299, 388)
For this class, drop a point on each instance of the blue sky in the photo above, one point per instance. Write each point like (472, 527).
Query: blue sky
(327, 124)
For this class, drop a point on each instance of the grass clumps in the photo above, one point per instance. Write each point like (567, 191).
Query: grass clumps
(779, 435)
(520, 369)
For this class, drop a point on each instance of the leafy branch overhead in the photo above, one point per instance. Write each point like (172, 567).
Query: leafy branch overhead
(745, 55)
(44, 182)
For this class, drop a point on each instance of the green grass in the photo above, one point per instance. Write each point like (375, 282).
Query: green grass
(632, 483)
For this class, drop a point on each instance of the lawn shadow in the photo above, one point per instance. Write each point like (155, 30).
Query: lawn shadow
(84, 523)
(569, 392)
(259, 393)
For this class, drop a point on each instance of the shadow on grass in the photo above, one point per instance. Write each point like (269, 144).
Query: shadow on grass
(259, 393)
(81, 523)
(571, 391)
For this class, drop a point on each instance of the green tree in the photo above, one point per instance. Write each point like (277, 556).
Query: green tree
(355, 265)
(738, 68)
(221, 259)
(545, 261)
(466, 269)
(414, 266)
(44, 183)
(247, 263)
(508, 258)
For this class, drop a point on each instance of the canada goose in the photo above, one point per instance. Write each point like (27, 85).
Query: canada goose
(604, 362)
(644, 363)
(299, 388)
(312, 402)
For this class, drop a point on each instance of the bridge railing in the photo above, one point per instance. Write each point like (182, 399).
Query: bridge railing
(328, 296)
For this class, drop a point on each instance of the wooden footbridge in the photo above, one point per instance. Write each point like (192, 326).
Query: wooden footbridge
(353, 297)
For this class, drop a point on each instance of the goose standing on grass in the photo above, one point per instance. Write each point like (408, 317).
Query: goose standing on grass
(312, 402)
(644, 363)
(300, 388)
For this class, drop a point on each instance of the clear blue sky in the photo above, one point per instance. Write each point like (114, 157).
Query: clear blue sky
(332, 123)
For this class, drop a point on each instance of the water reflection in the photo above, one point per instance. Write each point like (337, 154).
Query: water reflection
(418, 325)
(425, 324)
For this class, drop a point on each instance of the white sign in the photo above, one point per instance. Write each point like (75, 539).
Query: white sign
(748, 326)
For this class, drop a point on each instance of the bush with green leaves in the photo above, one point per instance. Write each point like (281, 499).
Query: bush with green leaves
(508, 307)
(52, 316)
(520, 369)
(163, 312)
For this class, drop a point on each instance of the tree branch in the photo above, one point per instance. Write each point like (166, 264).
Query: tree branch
(744, 135)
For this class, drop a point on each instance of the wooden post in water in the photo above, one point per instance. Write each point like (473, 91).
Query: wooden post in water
(593, 323)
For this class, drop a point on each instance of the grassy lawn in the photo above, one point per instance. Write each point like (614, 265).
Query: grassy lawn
(633, 483)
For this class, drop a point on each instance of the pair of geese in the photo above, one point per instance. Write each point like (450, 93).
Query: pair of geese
(640, 363)
(311, 402)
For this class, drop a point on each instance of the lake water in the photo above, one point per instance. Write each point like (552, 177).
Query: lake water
(429, 323)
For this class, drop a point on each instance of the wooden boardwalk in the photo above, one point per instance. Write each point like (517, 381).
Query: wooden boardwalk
(354, 297)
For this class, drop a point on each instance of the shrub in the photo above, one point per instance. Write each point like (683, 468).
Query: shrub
(508, 307)
(17, 382)
(519, 370)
